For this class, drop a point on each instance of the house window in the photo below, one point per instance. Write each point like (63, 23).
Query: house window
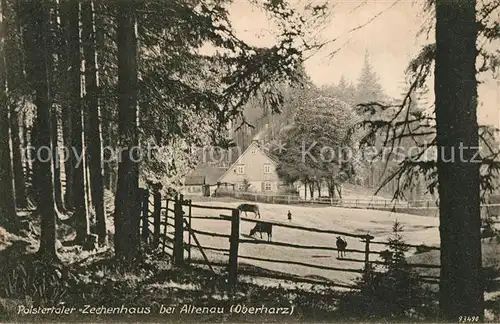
(267, 168)
(240, 169)
(268, 186)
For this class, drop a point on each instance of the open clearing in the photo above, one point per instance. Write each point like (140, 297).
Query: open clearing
(418, 230)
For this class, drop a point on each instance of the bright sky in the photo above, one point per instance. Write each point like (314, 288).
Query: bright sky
(390, 39)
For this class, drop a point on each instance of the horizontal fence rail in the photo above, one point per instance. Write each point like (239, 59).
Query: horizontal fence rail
(310, 265)
(301, 246)
(417, 207)
(303, 228)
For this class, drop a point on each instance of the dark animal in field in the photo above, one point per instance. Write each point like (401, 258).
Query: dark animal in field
(422, 248)
(263, 228)
(249, 208)
(289, 216)
(341, 246)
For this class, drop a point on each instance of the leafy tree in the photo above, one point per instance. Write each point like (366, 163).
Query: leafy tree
(318, 147)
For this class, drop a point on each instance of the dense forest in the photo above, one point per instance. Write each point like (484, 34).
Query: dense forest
(100, 98)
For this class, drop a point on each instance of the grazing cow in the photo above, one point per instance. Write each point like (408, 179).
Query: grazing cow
(289, 216)
(341, 245)
(249, 208)
(263, 228)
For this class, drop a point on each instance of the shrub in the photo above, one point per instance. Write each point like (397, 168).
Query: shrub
(392, 292)
(289, 191)
(34, 281)
(246, 185)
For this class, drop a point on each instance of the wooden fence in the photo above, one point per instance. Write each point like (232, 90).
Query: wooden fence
(354, 203)
(165, 221)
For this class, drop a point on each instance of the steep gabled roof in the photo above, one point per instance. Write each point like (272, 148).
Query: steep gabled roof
(266, 152)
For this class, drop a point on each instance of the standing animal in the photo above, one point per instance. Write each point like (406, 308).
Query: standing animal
(289, 216)
(249, 208)
(263, 228)
(341, 245)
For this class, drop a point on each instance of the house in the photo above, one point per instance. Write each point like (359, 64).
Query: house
(202, 181)
(194, 185)
(255, 168)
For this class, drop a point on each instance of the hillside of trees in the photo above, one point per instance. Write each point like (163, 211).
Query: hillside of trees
(267, 127)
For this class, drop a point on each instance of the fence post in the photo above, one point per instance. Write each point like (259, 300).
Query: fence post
(368, 238)
(157, 218)
(189, 224)
(288, 197)
(165, 226)
(145, 214)
(233, 248)
(179, 232)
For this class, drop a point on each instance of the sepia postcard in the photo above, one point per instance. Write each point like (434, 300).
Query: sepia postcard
(250, 161)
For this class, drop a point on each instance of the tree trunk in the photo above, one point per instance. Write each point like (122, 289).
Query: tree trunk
(461, 287)
(58, 192)
(88, 192)
(69, 163)
(29, 164)
(14, 73)
(8, 216)
(71, 10)
(39, 59)
(67, 108)
(339, 190)
(19, 179)
(27, 155)
(67, 131)
(331, 189)
(107, 143)
(126, 200)
(93, 111)
(106, 113)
